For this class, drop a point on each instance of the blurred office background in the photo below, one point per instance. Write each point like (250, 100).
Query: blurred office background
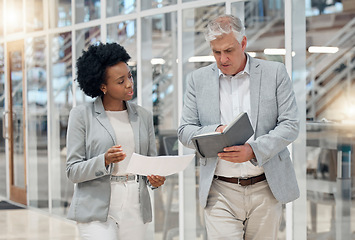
(40, 41)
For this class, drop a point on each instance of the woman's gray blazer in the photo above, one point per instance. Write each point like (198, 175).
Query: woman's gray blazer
(274, 118)
(89, 136)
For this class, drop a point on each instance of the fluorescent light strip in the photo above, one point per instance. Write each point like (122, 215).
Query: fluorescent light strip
(202, 59)
(277, 51)
(156, 61)
(316, 49)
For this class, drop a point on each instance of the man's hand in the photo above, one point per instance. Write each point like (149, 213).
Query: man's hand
(114, 154)
(237, 154)
(156, 181)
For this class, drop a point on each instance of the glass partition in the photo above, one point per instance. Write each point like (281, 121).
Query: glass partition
(85, 38)
(87, 10)
(34, 15)
(148, 4)
(115, 7)
(1, 19)
(159, 94)
(37, 120)
(61, 100)
(330, 109)
(3, 166)
(196, 53)
(60, 13)
(14, 16)
(264, 28)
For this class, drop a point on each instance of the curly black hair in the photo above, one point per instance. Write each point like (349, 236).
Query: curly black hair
(92, 65)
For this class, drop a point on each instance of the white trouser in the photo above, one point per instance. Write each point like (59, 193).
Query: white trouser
(124, 219)
(237, 212)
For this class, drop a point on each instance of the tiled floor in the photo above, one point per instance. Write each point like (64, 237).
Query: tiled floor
(21, 224)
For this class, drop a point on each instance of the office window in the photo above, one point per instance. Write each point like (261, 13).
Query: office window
(34, 15)
(60, 13)
(148, 4)
(87, 10)
(37, 122)
(14, 16)
(120, 7)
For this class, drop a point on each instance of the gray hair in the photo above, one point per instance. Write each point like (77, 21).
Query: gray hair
(224, 24)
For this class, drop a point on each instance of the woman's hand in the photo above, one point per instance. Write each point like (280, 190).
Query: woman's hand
(156, 181)
(114, 154)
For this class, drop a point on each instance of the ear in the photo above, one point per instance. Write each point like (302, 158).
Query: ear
(103, 88)
(244, 43)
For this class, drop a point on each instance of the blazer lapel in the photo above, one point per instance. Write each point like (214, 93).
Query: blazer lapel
(255, 78)
(103, 119)
(212, 100)
(135, 122)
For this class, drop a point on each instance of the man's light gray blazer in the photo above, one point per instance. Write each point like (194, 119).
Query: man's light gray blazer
(90, 135)
(273, 116)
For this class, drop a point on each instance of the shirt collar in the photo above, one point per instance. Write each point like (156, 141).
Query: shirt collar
(245, 70)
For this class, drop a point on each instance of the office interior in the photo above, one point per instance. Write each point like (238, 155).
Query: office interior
(40, 41)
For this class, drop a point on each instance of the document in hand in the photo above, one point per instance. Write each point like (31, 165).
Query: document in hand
(236, 133)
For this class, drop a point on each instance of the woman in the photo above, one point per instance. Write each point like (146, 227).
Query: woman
(108, 202)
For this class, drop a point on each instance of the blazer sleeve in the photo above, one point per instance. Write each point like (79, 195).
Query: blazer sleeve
(190, 124)
(79, 168)
(152, 148)
(279, 126)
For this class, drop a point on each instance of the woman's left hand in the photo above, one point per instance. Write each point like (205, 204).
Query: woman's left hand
(156, 181)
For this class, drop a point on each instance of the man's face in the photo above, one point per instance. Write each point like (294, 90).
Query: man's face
(229, 53)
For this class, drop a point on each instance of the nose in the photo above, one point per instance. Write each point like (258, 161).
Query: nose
(129, 82)
(223, 58)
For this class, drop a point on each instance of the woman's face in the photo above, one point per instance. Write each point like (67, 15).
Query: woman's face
(119, 83)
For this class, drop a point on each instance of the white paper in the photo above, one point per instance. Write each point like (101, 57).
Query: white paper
(161, 165)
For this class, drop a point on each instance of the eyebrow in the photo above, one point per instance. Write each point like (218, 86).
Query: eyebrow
(129, 73)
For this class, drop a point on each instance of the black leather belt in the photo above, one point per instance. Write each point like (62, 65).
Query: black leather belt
(242, 181)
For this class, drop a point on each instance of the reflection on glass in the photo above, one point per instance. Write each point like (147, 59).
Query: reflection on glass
(159, 54)
(61, 103)
(148, 4)
(60, 13)
(87, 10)
(37, 122)
(14, 16)
(124, 33)
(3, 168)
(34, 15)
(85, 38)
(16, 71)
(119, 7)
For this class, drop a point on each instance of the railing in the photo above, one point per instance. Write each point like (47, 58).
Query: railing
(331, 74)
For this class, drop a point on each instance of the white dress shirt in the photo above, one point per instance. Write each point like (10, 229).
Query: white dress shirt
(234, 92)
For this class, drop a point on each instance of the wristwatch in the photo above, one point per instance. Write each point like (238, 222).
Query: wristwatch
(254, 161)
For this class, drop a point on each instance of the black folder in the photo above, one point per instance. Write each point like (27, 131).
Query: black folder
(236, 133)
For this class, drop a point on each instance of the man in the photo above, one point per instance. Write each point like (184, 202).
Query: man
(242, 191)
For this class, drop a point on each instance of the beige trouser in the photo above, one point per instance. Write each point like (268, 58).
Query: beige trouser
(236, 212)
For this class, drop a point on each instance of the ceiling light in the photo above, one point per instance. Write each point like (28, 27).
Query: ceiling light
(315, 49)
